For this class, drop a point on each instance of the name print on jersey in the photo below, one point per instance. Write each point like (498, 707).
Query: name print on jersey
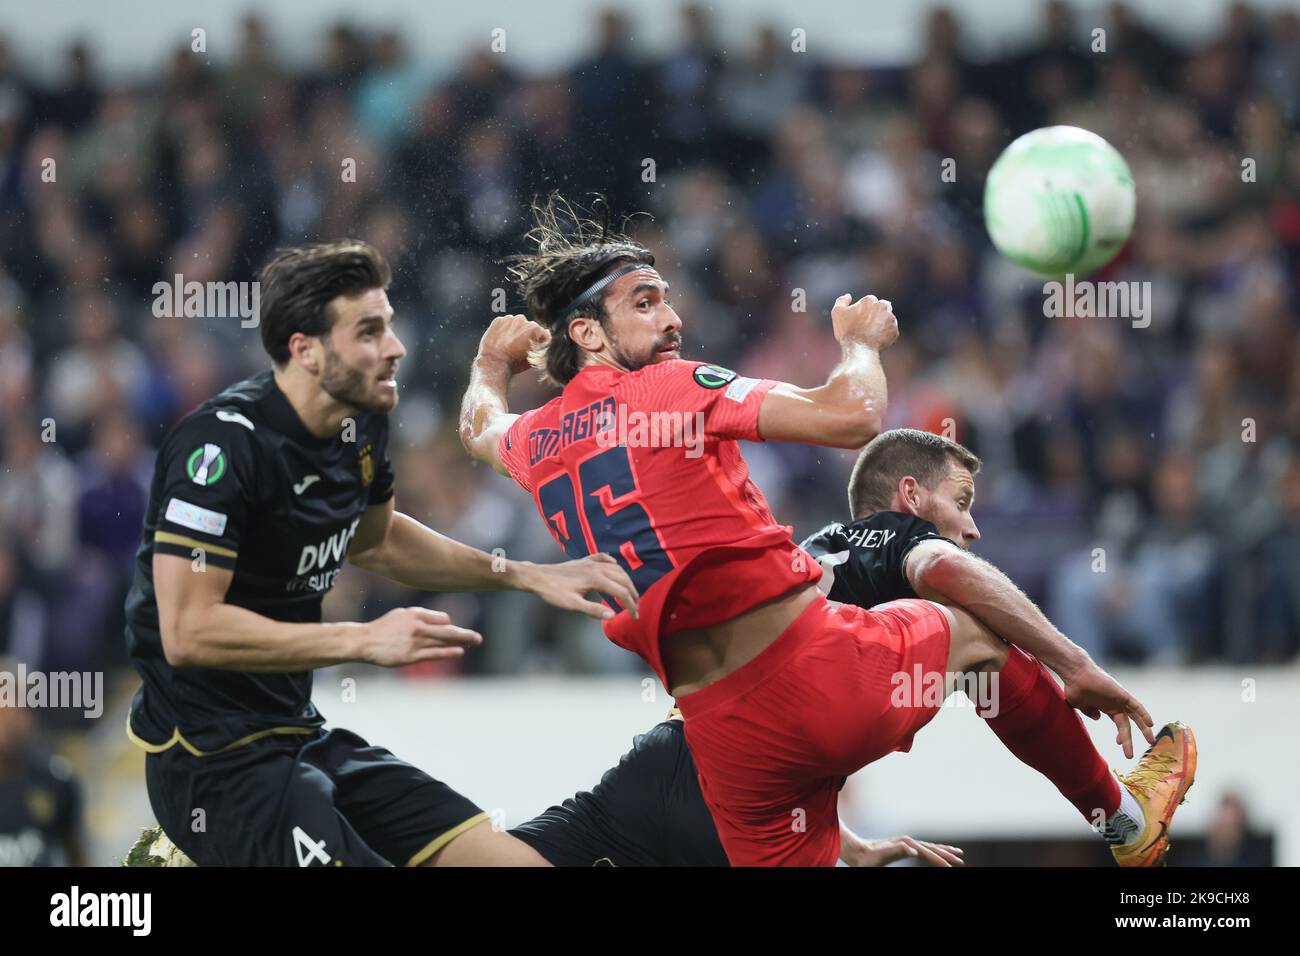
(613, 425)
(656, 429)
(870, 537)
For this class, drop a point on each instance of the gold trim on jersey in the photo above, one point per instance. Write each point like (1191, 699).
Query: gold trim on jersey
(179, 738)
(673, 712)
(438, 842)
(166, 537)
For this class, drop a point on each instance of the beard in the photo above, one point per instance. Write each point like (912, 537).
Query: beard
(632, 363)
(351, 386)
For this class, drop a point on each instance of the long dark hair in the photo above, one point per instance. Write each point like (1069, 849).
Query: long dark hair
(573, 250)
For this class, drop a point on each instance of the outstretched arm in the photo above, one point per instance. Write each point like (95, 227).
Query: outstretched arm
(485, 411)
(404, 550)
(938, 571)
(199, 629)
(849, 410)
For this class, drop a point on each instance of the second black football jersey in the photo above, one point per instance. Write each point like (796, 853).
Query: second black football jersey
(866, 556)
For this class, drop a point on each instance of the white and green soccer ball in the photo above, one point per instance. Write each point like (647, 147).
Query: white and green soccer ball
(1059, 201)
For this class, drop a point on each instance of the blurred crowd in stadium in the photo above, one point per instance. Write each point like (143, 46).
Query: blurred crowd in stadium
(1142, 483)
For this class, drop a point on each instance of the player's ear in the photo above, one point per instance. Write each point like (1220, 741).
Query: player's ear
(586, 333)
(909, 495)
(305, 350)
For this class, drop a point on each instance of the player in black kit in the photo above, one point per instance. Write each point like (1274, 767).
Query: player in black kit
(910, 497)
(259, 496)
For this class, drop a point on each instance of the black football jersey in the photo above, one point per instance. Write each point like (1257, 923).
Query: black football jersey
(865, 557)
(240, 483)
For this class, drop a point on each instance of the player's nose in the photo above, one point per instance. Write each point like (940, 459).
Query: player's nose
(395, 349)
(971, 534)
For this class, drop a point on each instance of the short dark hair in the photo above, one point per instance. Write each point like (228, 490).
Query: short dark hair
(896, 454)
(572, 252)
(298, 284)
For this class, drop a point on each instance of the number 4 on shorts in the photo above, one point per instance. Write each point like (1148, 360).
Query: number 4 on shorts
(309, 850)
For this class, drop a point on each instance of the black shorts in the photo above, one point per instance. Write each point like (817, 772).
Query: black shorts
(647, 811)
(331, 800)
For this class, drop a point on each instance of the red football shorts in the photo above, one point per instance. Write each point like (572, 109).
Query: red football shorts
(774, 740)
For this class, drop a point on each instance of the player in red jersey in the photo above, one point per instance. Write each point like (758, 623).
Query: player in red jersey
(783, 693)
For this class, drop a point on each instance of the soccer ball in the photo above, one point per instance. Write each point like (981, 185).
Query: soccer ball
(1059, 201)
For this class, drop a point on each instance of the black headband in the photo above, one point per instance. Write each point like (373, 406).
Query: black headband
(597, 287)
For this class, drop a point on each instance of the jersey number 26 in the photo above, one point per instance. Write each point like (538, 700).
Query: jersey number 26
(621, 530)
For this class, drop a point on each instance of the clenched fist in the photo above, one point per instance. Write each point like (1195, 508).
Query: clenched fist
(509, 338)
(869, 321)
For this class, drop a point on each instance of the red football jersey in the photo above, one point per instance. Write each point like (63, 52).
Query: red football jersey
(645, 467)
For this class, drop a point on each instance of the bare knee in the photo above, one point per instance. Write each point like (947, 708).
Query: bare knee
(972, 647)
